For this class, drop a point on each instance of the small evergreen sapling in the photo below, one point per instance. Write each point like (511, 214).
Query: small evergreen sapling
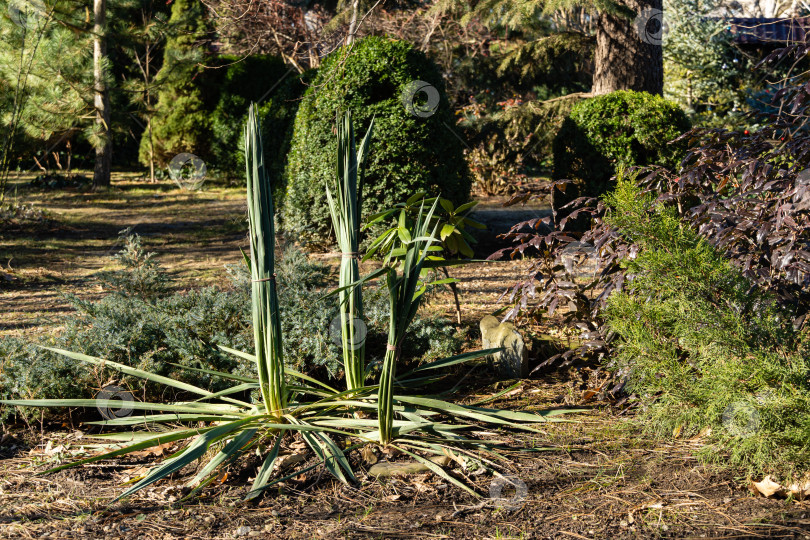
(700, 343)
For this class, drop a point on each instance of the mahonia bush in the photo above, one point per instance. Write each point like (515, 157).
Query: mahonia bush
(702, 346)
(408, 153)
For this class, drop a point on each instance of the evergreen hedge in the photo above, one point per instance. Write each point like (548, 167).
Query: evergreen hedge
(266, 80)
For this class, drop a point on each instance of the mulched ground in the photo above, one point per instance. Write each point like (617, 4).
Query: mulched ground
(599, 477)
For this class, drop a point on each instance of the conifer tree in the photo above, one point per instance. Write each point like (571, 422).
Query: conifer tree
(53, 58)
(101, 97)
(180, 122)
(46, 59)
(705, 71)
(141, 37)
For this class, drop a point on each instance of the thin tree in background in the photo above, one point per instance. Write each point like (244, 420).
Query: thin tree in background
(179, 121)
(101, 98)
(144, 50)
(353, 22)
(18, 48)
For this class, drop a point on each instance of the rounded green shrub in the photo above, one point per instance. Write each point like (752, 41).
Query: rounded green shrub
(409, 152)
(605, 133)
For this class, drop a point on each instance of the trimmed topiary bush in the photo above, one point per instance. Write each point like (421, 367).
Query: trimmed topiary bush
(605, 133)
(409, 152)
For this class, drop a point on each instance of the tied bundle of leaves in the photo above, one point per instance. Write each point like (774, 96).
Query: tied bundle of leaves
(405, 291)
(345, 212)
(266, 316)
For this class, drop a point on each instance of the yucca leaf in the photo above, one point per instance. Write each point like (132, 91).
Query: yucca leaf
(221, 374)
(324, 454)
(131, 371)
(263, 476)
(452, 360)
(193, 452)
(141, 445)
(156, 418)
(210, 408)
(231, 451)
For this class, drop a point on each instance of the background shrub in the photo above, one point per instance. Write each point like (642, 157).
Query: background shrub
(702, 346)
(609, 132)
(180, 120)
(277, 89)
(408, 153)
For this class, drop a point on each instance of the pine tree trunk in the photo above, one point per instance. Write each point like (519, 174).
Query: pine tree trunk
(628, 52)
(101, 173)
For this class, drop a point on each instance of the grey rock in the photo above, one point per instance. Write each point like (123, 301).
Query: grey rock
(513, 361)
(384, 468)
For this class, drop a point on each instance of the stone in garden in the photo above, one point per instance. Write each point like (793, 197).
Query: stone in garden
(404, 468)
(513, 361)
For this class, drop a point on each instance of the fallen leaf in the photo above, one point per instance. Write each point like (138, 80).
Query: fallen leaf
(588, 395)
(286, 461)
(390, 452)
(704, 433)
(767, 487)
(369, 457)
(801, 489)
(156, 451)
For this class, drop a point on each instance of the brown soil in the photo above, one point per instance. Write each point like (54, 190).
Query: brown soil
(599, 477)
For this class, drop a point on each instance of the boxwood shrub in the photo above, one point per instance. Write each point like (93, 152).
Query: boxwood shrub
(408, 152)
(608, 132)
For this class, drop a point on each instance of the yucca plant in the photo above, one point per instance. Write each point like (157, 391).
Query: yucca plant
(405, 291)
(344, 208)
(292, 401)
(231, 423)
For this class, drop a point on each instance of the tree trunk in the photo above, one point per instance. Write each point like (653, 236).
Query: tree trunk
(101, 173)
(628, 51)
(353, 22)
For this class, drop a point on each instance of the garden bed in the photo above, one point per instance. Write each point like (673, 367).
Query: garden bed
(598, 478)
